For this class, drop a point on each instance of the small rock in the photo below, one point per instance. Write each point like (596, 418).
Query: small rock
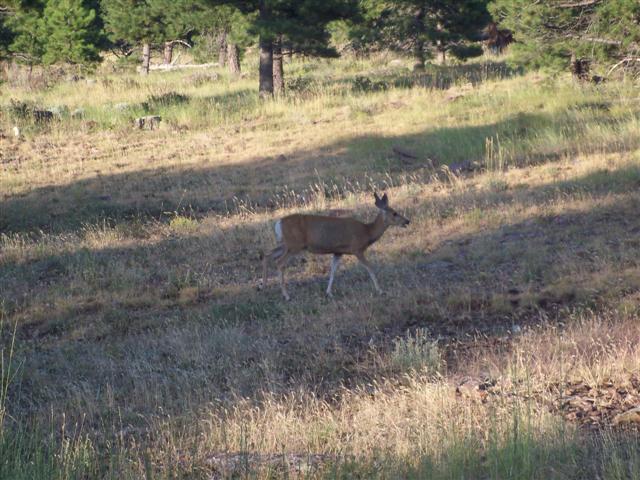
(16, 131)
(78, 113)
(397, 62)
(91, 81)
(150, 122)
(59, 110)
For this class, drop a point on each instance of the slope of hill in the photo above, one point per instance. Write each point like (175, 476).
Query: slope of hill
(505, 345)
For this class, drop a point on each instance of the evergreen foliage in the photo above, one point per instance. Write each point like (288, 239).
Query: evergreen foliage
(52, 31)
(423, 27)
(297, 25)
(28, 42)
(549, 34)
(132, 21)
(70, 31)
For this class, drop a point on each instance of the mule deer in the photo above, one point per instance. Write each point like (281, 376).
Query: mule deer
(330, 235)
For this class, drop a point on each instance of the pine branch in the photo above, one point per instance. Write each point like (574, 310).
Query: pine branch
(622, 62)
(583, 3)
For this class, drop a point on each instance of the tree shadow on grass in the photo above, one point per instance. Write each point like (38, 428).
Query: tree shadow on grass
(332, 170)
(439, 77)
(146, 329)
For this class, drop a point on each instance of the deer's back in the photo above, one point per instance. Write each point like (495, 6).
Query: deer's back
(322, 234)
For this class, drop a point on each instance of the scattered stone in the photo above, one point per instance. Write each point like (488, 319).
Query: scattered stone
(91, 81)
(601, 405)
(16, 131)
(59, 110)
(78, 113)
(629, 417)
(150, 122)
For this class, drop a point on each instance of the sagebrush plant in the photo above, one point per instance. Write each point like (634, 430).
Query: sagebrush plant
(129, 262)
(416, 350)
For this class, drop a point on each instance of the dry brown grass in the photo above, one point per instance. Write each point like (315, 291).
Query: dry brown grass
(130, 259)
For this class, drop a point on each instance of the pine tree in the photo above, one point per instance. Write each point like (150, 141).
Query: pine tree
(6, 35)
(134, 22)
(423, 27)
(177, 22)
(300, 24)
(215, 22)
(70, 31)
(25, 25)
(573, 33)
(238, 39)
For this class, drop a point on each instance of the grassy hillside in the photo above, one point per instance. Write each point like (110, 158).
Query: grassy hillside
(505, 345)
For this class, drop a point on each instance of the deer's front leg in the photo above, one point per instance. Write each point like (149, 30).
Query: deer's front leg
(335, 262)
(367, 266)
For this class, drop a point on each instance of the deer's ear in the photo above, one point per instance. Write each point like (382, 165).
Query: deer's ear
(378, 200)
(385, 200)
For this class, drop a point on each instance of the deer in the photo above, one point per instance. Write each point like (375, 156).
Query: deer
(326, 235)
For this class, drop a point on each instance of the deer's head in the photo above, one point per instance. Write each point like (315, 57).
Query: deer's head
(390, 216)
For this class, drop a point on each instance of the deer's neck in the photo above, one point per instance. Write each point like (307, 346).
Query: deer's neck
(376, 228)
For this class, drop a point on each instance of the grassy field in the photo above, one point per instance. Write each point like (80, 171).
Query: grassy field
(136, 345)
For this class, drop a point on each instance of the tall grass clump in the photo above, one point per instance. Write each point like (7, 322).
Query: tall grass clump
(416, 351)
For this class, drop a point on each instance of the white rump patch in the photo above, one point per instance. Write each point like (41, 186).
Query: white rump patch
(278, 229)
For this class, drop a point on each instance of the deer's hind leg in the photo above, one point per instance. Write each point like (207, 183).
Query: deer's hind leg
(281, 263)
(275, 254)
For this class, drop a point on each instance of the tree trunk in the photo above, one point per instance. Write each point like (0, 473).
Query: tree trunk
(222, 48)
(278, 71)
(266, 68)
(233, 57)
(168, 53)
(443, 56)
(418, 48)
(440, 46)
(146, 58)
(265, 89)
